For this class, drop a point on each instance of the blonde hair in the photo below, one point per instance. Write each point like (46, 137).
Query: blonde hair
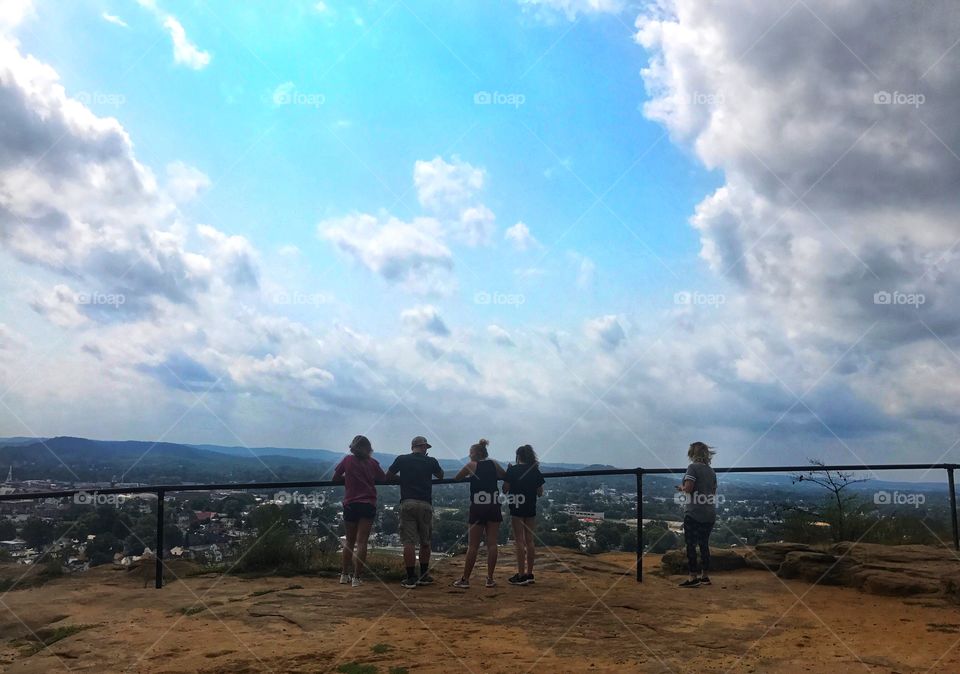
(700, 452)
(480, 449)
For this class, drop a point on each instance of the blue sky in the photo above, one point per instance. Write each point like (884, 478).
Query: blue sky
(396, 88)
(670, 223)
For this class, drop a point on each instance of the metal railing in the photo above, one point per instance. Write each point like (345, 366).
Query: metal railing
(161, 491)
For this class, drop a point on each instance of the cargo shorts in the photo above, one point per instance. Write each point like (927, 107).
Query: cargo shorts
(416, 522)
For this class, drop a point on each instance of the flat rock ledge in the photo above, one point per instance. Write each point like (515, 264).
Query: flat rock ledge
(891, 570)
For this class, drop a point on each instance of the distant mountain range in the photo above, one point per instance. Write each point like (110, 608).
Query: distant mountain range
(82, 459)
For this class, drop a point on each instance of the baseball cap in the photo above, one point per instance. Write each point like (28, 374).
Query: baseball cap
(420, 441)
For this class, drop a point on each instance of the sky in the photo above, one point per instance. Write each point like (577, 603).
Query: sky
(603, 228)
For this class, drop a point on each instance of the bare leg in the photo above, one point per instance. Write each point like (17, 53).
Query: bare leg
(362, 534)
(493, 530)
(409, 556)
(425, 555)
(346, 564)
(473, 544)
(528, 524)
(519, 542)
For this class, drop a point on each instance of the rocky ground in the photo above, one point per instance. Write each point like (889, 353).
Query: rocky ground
(586, 613)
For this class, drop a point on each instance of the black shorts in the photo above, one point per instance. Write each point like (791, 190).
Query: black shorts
(525, 510)
(354, 512)
(482, 513)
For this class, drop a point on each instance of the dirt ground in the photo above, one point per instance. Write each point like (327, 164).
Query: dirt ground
(585, 613)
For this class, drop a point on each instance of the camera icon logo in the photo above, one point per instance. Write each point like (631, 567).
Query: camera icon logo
(882, 297)
(882, 98)
(482, 98)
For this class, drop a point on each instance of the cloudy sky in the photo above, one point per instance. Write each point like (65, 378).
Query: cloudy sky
(604, 228)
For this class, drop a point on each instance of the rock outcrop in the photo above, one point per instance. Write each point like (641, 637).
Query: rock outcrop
(892, 570)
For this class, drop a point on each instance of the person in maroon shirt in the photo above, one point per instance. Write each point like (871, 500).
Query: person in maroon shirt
(359, 472)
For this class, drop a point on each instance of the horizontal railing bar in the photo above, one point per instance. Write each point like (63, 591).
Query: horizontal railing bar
(266, 486)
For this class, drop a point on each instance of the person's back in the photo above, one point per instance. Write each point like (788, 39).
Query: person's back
(483, 483)
(701, 502)
(415, 472)
(525, 481)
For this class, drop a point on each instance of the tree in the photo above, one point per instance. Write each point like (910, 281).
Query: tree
(37, 533)
(7, 530)
(836, 483)
(658, 538)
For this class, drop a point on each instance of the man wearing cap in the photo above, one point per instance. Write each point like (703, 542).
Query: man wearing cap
(415, 472)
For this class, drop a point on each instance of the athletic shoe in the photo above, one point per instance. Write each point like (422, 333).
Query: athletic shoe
(408, 583)
(425, 579)
(344, 578)
(490, 583)
(462, 583)
(695, 582)
(705, 580)
(516, 579)
(356, 582)
(527, 579)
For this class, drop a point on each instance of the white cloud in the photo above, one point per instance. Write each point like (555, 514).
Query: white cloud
(606, 331)
(450, 191)
(441, 184)
(519, 235)
(425, 318)
(410, 254)
(586, 270)
(185, 182)
(500, 335)
(14, 12)
(114, 19)
(185, 52)
(571, 9)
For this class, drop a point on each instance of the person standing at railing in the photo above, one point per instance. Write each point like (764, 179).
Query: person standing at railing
(359, 472)
(699, 495)
(414, 472)
(523, 483)
(484, 516)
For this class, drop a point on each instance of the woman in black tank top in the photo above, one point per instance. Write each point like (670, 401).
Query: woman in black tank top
(484, 516)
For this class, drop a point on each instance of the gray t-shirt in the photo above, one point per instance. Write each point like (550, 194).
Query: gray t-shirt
(701, 504)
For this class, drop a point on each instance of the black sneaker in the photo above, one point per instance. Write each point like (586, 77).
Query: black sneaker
(527, 579)
(705, 580)
(516, 579)
(408, 583)
(425, 579)
(695, 582)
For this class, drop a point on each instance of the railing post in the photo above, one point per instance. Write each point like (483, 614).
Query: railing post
(953, 509)
(639, 525)
(159, 552)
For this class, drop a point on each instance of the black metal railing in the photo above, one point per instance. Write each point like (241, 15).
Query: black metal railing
(161, 491)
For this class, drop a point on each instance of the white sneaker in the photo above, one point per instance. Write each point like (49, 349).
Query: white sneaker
(344, 579)
(356, 582)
